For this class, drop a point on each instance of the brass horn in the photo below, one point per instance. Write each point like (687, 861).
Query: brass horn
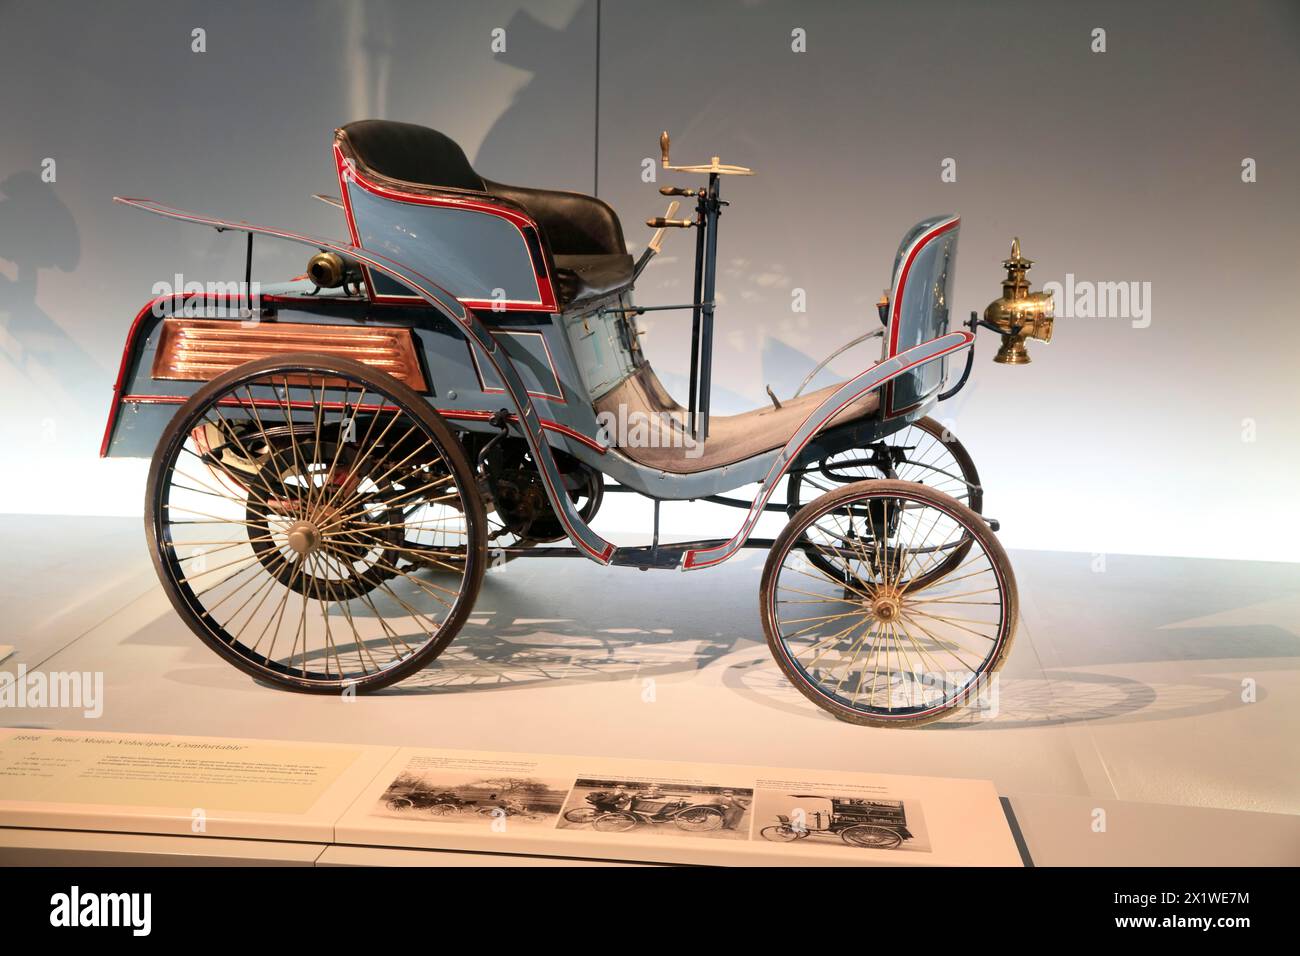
(1019, 314)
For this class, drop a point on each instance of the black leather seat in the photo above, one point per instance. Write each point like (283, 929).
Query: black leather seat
(582, 233)
(588, 278)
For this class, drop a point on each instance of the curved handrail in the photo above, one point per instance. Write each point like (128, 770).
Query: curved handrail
(844, 396)
(590, 543)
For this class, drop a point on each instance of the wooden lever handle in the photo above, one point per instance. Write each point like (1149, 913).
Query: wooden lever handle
(661, 223)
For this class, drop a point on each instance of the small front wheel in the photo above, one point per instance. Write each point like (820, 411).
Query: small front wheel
(782, 834)
(614, 822)
(581, 814)
(868, 618)
(924, 451)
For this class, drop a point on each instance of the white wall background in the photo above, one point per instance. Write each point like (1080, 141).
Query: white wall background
(1179, 438)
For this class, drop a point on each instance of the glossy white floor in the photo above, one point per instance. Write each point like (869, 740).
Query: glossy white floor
(1124, 690)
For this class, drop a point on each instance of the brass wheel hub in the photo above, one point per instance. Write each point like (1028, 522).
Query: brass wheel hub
(304, 537)
(885, 607)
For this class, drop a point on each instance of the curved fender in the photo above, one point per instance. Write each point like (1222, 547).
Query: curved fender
(587, 541)
(845, 395)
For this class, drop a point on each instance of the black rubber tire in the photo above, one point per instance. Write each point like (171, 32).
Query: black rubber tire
(617, 822)
(788, 540)
(377, 382)
(869, 836)
(780, 834)
(702, 819)
(964, 461)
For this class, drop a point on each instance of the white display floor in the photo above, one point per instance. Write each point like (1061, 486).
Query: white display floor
(1125, 687)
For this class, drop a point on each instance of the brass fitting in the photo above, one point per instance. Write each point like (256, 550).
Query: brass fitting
(1019, 314)
(329, 270)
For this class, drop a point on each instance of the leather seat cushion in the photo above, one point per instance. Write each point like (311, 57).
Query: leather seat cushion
(575, 224)
(732, 438)
(587, 278)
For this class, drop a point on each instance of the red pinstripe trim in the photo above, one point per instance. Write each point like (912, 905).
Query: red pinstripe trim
(121, 372)
(130, 340)
(360, 254)
(464, 317)
(547, 424)
(902, 277)
(545, 287)
(896, 305)
(778, 469)
(135, 326)
(462, 414)
(258, 403)
(550, 362)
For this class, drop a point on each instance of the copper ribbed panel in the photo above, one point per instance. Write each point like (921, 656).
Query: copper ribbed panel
(198, 350)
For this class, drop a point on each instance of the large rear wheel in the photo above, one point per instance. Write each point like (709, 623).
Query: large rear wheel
(316, 523)
(871, 837)
(782, 834)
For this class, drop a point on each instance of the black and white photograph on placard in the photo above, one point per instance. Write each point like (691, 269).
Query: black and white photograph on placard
(658, 808)
(862, 822)
(479, 798)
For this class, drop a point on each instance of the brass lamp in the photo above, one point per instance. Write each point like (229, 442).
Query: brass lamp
(1019, 314)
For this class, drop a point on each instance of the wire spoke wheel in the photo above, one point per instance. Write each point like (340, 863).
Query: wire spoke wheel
(872, 837)
(316, 523)
(617, 822)
(924, 451)
(780, 834)
(882, 628)
(698, 819)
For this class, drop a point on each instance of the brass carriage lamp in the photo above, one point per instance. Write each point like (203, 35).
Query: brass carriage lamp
(1019, 314)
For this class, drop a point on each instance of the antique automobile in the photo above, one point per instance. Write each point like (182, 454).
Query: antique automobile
(600, 802)
(437, 803)
(871, 824)
(647, 808)
(338, 457)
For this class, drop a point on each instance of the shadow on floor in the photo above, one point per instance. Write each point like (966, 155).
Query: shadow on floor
(539, 629)
(1056, 698)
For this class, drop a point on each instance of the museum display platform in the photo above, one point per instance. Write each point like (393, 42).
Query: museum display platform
(1161, 691)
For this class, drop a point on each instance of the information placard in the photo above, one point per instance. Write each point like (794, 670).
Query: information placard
(519, 804)
(677, 812)
(193, 785)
